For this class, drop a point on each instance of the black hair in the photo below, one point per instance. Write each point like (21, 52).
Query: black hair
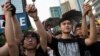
(70, 15)
(63, 19)
(33, 34)
(78, 25)
(67, 16)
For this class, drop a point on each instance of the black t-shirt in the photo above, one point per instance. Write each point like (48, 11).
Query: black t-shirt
(95, 49)
(39, 52)
(68, 47)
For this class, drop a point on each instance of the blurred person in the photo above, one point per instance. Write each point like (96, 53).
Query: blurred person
(31, 46)
(78, 30)
(95, 48)
(32, 39)
(86, 28)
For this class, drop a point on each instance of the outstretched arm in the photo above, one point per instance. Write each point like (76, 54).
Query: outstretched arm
(84, 24)
(17, 30)
(9, 33)
(92, 36)
(32, 11)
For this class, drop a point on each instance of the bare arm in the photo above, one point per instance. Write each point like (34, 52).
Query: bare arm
(43, 35)
(17, 30)
(84, 27)
(4, 50)
(92, 36)
(12, 47)
(40, 28)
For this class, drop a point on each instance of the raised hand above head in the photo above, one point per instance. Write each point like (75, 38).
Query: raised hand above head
(32, 11)
(86, 9)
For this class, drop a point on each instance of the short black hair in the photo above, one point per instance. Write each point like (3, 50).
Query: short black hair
(70, 15)
(33, 34)
(63, 19)
(67, 16)
(78, 25)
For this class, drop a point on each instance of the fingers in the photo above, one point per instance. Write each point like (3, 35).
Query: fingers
(8, 1)
(30, 8)
(7, 6)
(87, 6)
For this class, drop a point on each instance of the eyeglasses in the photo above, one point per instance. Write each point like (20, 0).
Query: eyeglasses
(32, 38)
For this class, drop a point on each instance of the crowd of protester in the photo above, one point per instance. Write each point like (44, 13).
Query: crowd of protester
(85, 40)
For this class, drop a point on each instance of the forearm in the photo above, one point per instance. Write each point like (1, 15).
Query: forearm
(40, 28)
(16, 29)
(84, 27)
(8, 29)
(12, 47)
(92, 28)
(43, 34)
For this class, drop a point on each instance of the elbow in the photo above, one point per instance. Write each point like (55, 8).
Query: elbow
(11, 44)
(93, 38)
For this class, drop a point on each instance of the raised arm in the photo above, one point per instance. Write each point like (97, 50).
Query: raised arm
(17, 30)
(32, 11)
(84, 23)
(9, 33)
(92, 36)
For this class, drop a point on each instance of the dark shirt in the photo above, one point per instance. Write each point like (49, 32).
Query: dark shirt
(95, 49)
(68, 47)
(39, 52)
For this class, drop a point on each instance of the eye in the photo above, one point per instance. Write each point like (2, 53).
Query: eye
(64, 23)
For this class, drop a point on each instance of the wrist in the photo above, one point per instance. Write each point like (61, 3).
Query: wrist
(84, 15)
(91, 15)
(36, 18)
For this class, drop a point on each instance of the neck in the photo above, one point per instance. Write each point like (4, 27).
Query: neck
(30, 52)
(66, 36)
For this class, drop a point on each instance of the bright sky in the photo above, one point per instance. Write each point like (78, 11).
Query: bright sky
(43, 7)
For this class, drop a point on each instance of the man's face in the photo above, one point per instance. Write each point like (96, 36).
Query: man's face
(98, 28)
(30, 42)
(66, 26)
(78, 31)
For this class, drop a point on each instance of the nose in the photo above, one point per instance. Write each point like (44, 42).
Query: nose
(67, 26)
